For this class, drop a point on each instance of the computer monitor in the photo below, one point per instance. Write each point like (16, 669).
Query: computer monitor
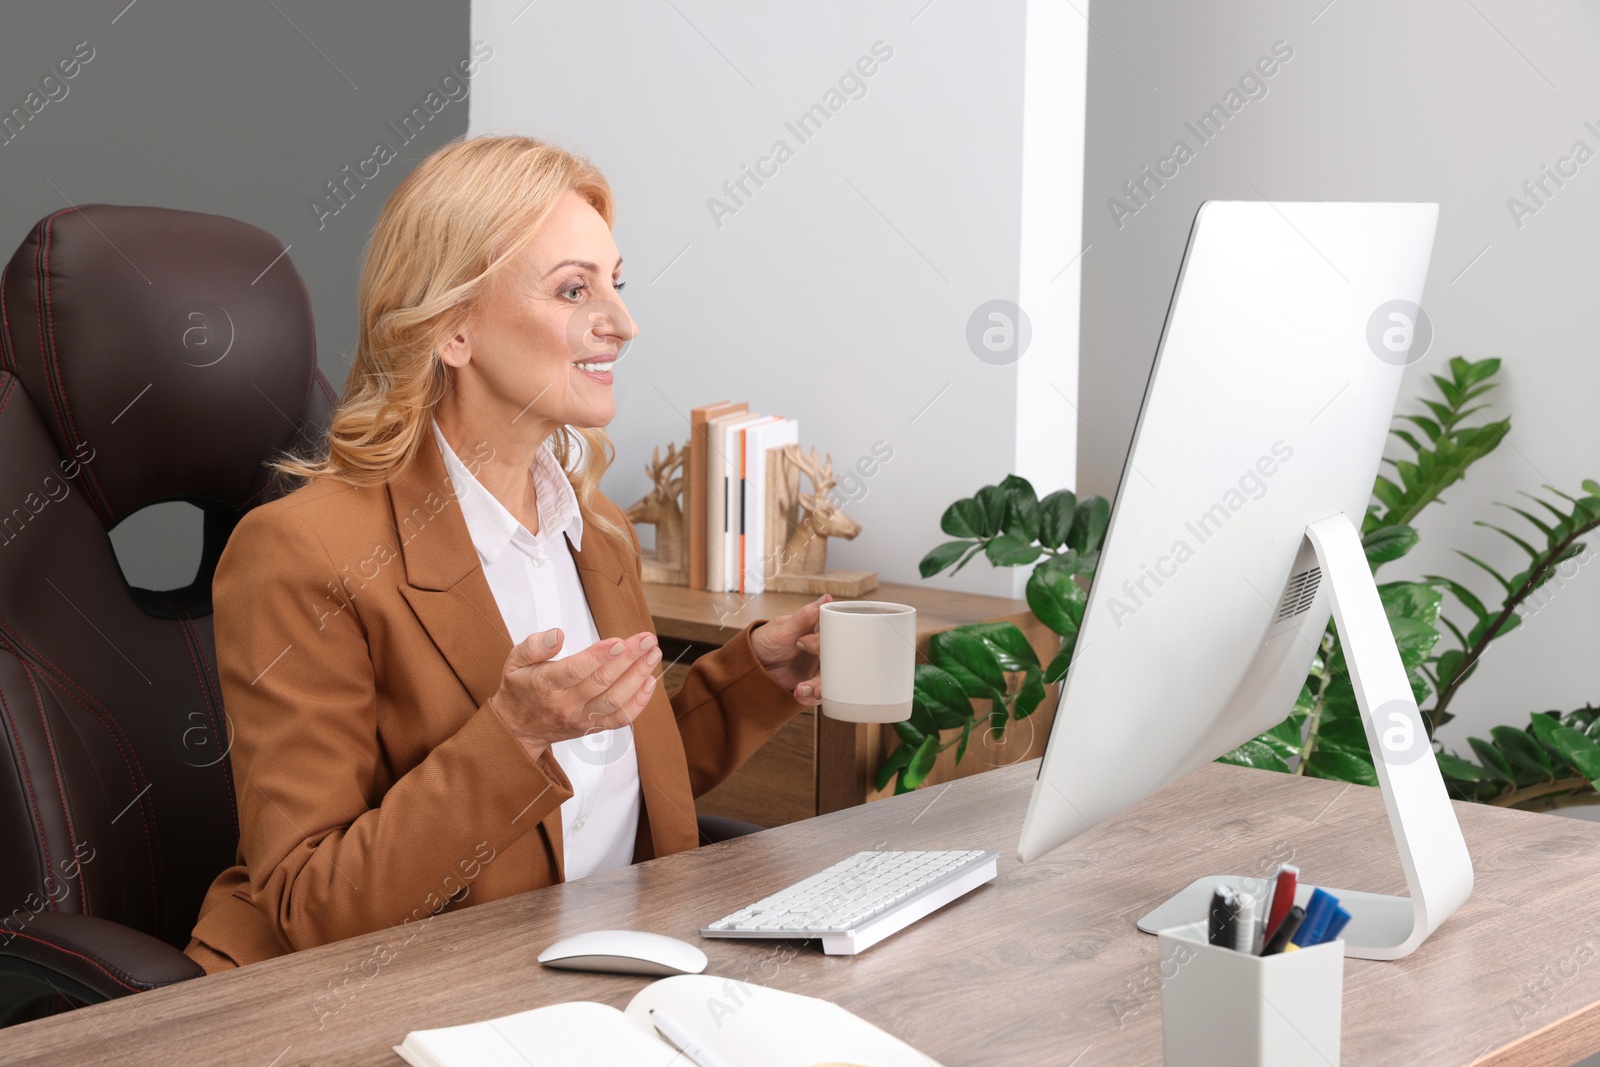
(1234, 532)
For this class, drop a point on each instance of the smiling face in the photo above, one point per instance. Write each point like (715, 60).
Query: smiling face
(541, 349)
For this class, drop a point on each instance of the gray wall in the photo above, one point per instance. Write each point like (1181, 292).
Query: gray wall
(1432, 100)
(839, 293)
(244, 110)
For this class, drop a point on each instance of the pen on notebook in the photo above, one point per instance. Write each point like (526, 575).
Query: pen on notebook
(1283, 887)
(680, 1040)
(1280, 937)
(1224, 915)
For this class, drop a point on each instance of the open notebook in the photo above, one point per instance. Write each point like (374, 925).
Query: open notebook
(742, 1025)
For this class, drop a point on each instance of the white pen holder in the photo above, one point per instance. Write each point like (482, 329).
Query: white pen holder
(1222, 1006)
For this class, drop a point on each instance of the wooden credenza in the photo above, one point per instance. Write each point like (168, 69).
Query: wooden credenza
(815, 764)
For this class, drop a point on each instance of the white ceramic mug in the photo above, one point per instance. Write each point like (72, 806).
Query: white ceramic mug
(869, 658)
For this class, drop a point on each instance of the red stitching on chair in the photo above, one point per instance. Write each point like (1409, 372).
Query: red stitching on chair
(191, 642)
(114, 729)
(55, 765)
(5, 323)
(38, 820)
(40, 265)
(99, 964)
(73, 437)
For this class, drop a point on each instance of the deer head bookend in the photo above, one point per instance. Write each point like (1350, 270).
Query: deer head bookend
(666, 564)
(807, 549)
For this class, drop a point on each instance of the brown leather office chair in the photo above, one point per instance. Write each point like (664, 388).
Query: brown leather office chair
(146, 355)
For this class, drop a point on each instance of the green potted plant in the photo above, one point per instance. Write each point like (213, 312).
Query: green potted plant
(993, 662)
(1552, 761)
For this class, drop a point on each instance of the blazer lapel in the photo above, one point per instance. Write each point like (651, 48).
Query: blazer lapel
(452, 600)
(451, 596)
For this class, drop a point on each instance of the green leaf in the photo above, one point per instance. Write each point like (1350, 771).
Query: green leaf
(1497, 575)
(1579, 751)
(977, 546)
(991, 500)
(1031, 694)
(1427, 426)
(1341, 764)
(970, 660)
(921, 763)
(1010, 550)
(1089, 524)
(1468, 373)
(1022, 508)
(1522, 751)
(1255, 753)
(1494, 761)
(1389, 494)
(1459, 769)
(1449, 664)
(1063, 659)
(942, 557)
(962, 519)
(1415, 640)
(1010, 646)
(941, 694)
(910, 733)
(899, 758)
(1055, 517)
(1463, 594)
(1533, 553)
(1056, 599)
(966, 735)
(1389, 543)
(1411, 600)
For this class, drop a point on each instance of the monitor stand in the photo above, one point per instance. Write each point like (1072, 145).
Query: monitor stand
(1432, 852)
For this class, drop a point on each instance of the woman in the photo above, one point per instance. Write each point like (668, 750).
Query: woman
(436, 654)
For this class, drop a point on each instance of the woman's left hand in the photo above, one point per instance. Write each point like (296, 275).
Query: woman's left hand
(788, 648)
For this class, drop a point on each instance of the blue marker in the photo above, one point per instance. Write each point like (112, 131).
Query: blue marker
(1336, 924)
(1318, 911)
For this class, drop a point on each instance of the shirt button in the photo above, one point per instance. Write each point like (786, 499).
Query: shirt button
(577, 825)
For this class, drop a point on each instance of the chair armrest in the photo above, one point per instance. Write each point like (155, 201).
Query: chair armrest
(89, 958)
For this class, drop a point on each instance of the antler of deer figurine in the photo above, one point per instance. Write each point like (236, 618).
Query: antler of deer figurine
(802, 566)
(667, 563)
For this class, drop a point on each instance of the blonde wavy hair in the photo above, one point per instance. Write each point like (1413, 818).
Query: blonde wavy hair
(440, 240)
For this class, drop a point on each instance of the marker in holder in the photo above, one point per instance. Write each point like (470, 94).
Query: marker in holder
(1219, 1005)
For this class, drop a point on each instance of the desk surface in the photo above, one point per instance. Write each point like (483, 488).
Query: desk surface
(1042, 966)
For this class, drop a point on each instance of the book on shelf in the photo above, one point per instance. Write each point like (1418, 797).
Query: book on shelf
(756, 560)
(694, 497)
(741, 1024)
(722, 441)
(733, 534)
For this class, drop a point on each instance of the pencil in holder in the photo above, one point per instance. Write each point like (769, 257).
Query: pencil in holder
(1219, 1005)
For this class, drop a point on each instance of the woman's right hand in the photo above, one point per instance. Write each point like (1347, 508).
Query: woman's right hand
(544, 700)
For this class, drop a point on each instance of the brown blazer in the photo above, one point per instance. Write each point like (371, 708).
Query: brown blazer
(358, 644)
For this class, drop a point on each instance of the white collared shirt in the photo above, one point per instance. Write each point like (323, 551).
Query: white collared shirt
(536, 585)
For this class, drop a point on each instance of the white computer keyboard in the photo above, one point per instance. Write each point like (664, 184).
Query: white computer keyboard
(862, 899)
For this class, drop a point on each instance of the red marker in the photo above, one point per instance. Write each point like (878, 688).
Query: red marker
(1282, 896)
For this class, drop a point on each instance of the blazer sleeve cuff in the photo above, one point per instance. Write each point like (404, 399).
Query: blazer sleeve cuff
(527, 789)
(739, 680)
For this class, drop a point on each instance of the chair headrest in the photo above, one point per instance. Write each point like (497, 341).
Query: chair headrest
(172, 351)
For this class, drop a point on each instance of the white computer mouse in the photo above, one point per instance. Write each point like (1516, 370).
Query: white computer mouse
(624, 952)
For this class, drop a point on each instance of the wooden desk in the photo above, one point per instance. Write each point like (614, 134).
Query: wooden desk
(815, 765)
(1042, 966)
